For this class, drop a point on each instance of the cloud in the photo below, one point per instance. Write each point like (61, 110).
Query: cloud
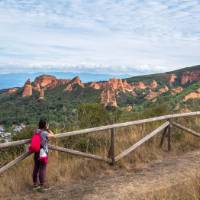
(130, 36)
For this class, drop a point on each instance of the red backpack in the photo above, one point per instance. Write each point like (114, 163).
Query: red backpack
(35, 143)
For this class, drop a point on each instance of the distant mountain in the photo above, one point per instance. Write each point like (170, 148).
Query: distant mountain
(58, 98)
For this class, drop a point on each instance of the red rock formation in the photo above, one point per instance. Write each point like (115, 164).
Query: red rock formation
(37, 87)
(68, 88)
(128, 87)
(140, 85)
(111, 88)
(152, 95)
(47, 81)
(71, 83)
(172, 78)
(108, 97)
(115, 84)
(27, 90)
(12, 90)
(95, 85)
(192, 95)
(163, 89)
(188, 77)
(153, 84)
(41, 93)
(76, 80)
(176, 90)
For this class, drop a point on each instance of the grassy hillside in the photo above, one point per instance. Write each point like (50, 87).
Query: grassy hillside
(162, 76)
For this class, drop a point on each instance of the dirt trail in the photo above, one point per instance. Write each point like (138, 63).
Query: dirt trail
(126, 185)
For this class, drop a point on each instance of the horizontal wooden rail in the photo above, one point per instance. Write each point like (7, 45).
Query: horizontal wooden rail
(186, 129)
(112, 159)
(102, 128)
(14, 143)
(140, 142)
(78, 153)
(125, 124)
(14, 162)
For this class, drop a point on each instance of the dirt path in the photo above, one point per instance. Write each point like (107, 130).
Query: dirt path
(126, 185)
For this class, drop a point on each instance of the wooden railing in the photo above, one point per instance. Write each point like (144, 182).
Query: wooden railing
(112, 158)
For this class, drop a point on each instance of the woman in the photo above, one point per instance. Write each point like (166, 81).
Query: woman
(41, 164)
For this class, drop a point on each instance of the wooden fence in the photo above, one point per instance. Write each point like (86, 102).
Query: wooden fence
(165, 129)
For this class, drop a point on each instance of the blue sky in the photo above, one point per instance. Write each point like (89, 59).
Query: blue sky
(99, 36)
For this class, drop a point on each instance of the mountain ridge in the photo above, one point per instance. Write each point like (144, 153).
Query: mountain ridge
(111, 87)
(178, 89)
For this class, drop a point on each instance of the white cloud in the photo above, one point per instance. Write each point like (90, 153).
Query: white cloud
(113, 36)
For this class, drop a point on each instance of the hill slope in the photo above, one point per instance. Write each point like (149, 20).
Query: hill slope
(156, 179)
(59, 98)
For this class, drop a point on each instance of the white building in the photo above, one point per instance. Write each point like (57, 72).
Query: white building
(7, 137)
(2, 129)
(18, 128)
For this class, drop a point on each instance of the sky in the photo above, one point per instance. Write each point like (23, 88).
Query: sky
(99, 36)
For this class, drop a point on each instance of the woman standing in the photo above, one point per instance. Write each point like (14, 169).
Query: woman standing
(41, 157)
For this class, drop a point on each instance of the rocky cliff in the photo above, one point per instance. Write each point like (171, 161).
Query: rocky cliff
(190, 76)
(153, 84)
(75, 81)
(108, 97)
(176, 90)
(27, 90)
(140, 85)
(41, 97)
(109, 91)
(192, 95)
(47, 81)
(171, 78)
(12, 91)
(115, 84)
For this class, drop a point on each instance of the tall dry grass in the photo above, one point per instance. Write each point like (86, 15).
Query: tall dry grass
(64, 168)
(188, 189)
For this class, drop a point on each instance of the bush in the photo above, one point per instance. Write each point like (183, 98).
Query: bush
(92, 114)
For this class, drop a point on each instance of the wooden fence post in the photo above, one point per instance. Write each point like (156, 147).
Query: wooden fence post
(169, 135)
(14, 162)
(111, 153)
(163, 136)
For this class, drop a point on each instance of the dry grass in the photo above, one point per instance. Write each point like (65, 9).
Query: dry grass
(66, 168)
(188, 189)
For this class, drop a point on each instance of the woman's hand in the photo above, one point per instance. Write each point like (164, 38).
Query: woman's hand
(50, 134)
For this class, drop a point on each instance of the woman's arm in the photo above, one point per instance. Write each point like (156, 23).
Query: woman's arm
(50, 134)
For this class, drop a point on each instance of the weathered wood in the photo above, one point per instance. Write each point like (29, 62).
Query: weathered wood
(163, 136)
(14, 143)
(142, 141)
(120, 125)
(186, 129)
(102, 128)
(111, 153)
(78, 153)
(14, 162)
(169, 135)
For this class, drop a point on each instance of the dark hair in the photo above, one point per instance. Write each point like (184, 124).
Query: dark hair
(42, 123)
